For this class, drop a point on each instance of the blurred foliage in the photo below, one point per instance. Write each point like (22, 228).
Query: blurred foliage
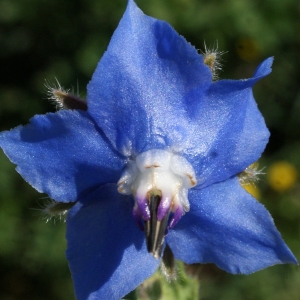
(42, 39)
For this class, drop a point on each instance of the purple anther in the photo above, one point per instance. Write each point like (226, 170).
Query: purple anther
(143, 207)
(137, 216)
(164, 207)
(179, 212)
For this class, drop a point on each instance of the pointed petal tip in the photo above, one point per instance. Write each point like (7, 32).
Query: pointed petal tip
(265, 68)
(132, 3)
(132, 7)
(250, 241)
(292, 260)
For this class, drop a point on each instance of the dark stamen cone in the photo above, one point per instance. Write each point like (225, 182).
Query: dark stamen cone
(154, 229)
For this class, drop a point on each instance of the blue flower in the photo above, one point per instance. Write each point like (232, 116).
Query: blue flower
(159, 139)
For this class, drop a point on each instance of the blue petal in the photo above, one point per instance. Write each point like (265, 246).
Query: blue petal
(106, 251)
(151, 89)
(232, 133)
(62, 154)
(137, 93)
(228, 227)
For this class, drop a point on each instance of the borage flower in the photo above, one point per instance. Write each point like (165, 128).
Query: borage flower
(163, 140)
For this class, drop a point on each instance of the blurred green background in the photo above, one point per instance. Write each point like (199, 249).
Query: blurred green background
(43, 39)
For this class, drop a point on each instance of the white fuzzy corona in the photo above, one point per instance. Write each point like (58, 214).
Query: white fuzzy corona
(158, 170)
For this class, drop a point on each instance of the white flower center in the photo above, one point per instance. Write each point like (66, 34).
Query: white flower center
(169, 174)
(159, 181)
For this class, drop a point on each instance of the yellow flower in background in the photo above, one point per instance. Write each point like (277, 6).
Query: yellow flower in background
(282, 176)
(252, 189)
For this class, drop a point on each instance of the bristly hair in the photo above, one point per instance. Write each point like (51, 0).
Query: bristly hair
(168, 265)
(62, 98)
(55, 211)
(250, 175)
(212, 58)
(55, 93)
